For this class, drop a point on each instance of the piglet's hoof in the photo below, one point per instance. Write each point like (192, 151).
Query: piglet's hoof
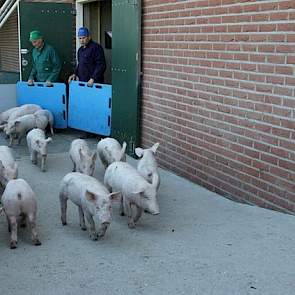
(37, 242)
(101, 234)
(122, 214)
(83, 227)
(13, 244)
(131, 224)
(64, 222)
(93, 236)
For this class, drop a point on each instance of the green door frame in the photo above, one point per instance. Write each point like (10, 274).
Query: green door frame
(126, 67)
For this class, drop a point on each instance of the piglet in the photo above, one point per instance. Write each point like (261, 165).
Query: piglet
(20, 204)
(16, 129)
(92, 199)
(82, 157)
(37, 144)
(25, 109)
(41, 121)
(5, 115)
(147, 165)
(8, 167)
(135, 190)
(109, 150)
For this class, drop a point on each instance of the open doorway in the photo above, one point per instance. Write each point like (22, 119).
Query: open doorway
(116, 25)
(97, 16)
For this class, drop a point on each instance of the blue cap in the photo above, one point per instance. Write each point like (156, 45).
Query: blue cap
(83, 32)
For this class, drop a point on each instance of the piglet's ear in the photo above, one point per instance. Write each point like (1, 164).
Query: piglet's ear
(123, 150)
(155, 180)
(115, 196)
(155, 147)
(81, 154)
(139, 152)
(138, 192)
(91, 197)
(1, 166)
(108, 152)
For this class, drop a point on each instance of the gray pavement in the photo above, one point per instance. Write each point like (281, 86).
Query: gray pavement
(200, 243)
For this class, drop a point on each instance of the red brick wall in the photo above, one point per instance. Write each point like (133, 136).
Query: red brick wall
(219, 95)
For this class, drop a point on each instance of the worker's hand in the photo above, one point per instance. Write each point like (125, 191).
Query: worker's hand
(90, 82)
(48, 83)
(71, 78)
(30, 82)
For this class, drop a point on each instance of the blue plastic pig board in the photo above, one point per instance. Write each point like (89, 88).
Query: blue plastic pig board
(90, 107)
(50, 98)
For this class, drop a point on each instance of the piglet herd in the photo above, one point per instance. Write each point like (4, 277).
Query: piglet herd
(134, 188)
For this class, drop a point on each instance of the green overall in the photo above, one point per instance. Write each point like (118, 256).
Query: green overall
(46, 64)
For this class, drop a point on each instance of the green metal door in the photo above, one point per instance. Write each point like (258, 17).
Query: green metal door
(55, 21)
(126, 24)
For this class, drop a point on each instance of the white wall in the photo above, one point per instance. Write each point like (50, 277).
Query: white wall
(7, 96)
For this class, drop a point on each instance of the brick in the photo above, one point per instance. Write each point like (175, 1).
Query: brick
(260, 17)
(261, 147)
(258, 38)
(242, 38)
(286, 165)
(285, 49)
(235, 9)
(251, 8)
(260, 166)
(276, 59)
(282, 91)
(264, 88)
(257, 78)
(266, 48)
(279, 152)
(288, 102)
(279, 172)
(275, 80)
(286, 27)
(276, 38)
(291, 38)
(287, 5)
(288, 124)
(291, 59)
(248, 67)
(278, 16)
(269, 159)
(267, 28)
(284, 70)
(266, 69)
(228, 19)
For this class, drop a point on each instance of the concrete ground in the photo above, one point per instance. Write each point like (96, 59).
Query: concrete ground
(200, 244)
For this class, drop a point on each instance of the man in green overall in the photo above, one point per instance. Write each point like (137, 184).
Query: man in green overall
(46, 63)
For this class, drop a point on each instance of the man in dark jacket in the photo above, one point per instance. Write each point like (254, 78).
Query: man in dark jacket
(91, 61)
(46, 63)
